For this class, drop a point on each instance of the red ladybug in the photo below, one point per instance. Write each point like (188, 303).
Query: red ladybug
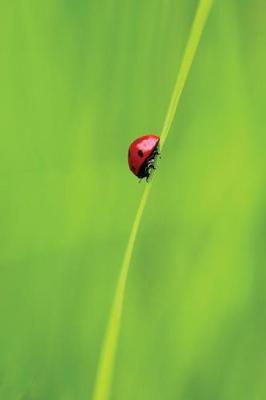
(142, 154)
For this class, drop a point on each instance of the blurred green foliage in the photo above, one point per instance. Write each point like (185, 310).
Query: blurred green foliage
(80, 80)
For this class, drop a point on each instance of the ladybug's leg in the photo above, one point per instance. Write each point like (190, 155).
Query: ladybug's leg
(149, 167)
(148, 176)
(157, 153)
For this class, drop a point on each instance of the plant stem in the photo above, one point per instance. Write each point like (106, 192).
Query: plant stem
(107, 357)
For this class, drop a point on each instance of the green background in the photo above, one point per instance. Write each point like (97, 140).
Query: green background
(79, 80)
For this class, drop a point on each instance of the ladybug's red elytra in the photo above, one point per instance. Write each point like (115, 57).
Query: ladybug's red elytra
(142, 154)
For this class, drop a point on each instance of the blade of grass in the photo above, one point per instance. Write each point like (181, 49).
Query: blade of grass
(106, 362)
(199, 22)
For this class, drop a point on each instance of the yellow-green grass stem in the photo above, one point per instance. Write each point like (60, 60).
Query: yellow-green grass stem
(107, 356)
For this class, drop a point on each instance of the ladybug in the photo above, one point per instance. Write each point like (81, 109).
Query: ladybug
(142, 154)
